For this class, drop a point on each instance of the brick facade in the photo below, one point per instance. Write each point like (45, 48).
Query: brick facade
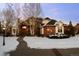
(48, 30)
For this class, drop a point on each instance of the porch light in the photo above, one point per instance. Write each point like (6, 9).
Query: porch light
(24, 27)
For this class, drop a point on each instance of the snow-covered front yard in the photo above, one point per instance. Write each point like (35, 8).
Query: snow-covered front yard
(46, 43)
(39, 43)
(10, 44)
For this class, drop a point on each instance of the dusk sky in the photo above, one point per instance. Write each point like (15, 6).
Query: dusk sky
(62, 11)
(59, 11)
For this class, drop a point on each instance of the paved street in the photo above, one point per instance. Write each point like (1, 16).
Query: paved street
(23, 50)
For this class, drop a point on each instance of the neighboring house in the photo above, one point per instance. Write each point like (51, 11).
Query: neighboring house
(11, 29)
(54, 28)
(15, 27)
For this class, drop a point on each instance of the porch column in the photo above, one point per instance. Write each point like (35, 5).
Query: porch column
(56, 29)
(42, 31)
(62, 29)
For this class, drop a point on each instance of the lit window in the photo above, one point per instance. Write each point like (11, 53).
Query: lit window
(49, 30)
(24, 27)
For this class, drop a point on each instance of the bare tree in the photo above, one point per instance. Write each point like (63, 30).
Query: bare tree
(8, 16)
(31, 10)
(25, 10)
(8, 13)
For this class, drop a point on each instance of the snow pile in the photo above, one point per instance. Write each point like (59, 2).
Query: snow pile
(10, 44)
(46, 43)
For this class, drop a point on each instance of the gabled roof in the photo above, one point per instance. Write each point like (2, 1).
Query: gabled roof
(47, 18)
(52, 22)
(59, 23)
